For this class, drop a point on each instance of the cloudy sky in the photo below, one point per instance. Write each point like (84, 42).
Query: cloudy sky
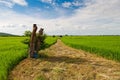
(74, 17)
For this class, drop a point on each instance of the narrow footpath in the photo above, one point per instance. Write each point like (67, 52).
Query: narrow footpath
(60, 62)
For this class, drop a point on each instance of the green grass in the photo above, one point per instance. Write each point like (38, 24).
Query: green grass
(105, 46)
(12, 51)
(50, 40)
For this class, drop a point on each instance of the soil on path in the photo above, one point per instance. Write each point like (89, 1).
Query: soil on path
(60, 62)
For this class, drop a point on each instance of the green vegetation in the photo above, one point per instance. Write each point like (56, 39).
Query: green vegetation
(105, 46)
(27, 33)
(50, 41)
(12, 51)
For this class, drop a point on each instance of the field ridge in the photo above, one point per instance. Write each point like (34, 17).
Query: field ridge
(60, 62)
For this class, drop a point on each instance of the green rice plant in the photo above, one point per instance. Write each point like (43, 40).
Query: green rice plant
(12, 51)
(105, 46)
(50, 40)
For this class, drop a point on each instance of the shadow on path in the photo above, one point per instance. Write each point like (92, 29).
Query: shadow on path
(62, 59)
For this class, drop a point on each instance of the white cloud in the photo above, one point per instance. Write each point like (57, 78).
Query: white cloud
(11, 3)
(20, 2)
(47, 1)
(98, 17)
(66, 4)
(76, 3)
(6, 3)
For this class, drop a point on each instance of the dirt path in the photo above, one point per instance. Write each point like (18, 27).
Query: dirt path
(60, 62)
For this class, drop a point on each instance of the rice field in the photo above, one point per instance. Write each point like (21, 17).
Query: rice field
(12, 51)
(105, 46)
(50, 40)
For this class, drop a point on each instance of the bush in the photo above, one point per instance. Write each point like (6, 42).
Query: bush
(27, 33)
(42, 37)
(26, 41)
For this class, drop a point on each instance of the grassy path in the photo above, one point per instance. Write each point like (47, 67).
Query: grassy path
(60, 62)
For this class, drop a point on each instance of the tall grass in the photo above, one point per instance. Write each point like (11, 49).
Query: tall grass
(50, 40)
(12, 51)
(105, 46)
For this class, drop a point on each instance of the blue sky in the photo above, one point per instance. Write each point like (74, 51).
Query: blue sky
(48, 9)
(74, 17)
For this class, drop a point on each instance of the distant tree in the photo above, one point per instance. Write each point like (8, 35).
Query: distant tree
(53, 36)
(66, 35)
(27, 33)
(60, 36)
